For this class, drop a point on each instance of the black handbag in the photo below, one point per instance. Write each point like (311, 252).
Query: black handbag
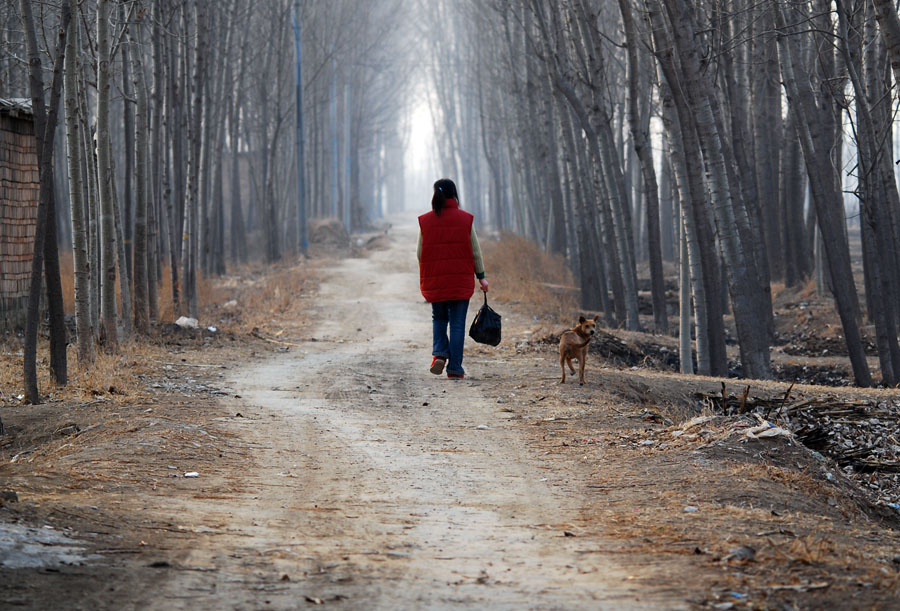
(485, 328)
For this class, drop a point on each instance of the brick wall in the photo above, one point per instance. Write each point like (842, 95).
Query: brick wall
(19, 193)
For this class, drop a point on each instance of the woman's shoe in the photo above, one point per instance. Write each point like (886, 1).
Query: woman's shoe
(456, 376)
(437, 365)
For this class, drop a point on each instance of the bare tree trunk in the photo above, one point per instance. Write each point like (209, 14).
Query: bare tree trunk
(611, 171)
(45, 231)
(757, 217)
(793, 189)
(154, 271)
(190, 247)
(217, 246)
(89, 157)
(591, 272)
(684, 307)
(175, 161)
(624, 293)
(492, 160)
(155, 180)
(877, 76)
(596, 122)
(210, 103)
(544, 177)
(216, 257)
(829, 208)
(556, 239)
(83, 330)
(52, 279)
(273, 231)
(743, 283)
(668, 227)
(124, 272)
(641, 140)
(127, 204)
(238, 230)
(766, 138)
(692, 251)
(142, 199)
(109, 332)
(889, 22)
(878, 242)
(705, 272)
(176, 203)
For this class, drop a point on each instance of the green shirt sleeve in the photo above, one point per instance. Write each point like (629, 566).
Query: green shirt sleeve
(476, 253)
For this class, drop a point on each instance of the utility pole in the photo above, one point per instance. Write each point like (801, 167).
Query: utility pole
(303, 237)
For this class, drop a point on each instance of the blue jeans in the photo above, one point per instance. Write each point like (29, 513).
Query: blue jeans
(454, 314)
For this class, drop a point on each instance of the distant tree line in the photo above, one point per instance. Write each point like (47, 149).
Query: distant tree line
(173, 152)
(712, 133)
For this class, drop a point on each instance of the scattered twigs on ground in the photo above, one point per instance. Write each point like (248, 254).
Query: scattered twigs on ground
(258, 335)
(783, 401)
(857, 434)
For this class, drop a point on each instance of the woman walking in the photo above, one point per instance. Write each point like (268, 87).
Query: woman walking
(449, 255)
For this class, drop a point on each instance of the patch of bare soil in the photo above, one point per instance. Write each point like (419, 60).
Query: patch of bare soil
(333, 469)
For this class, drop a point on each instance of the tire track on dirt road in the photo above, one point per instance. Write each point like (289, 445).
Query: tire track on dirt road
(379, 485)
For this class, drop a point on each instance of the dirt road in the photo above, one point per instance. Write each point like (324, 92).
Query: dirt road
(335, 470)
(379, 485)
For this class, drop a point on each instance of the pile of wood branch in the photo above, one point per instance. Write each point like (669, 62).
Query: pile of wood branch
(860, 435)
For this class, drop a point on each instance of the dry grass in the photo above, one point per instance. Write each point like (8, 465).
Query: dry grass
(206, 289)
(793, 478)
(521, 273)
(273, 298)
(113, 374)
(110, 375)
(812, 549)
(265, 294)
(67, 279)
(783, 295)
(164, 294)
(208, 294)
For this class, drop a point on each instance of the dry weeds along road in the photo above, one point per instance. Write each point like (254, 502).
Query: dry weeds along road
(342, 473)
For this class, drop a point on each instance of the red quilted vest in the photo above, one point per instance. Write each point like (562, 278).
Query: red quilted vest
(447, 266)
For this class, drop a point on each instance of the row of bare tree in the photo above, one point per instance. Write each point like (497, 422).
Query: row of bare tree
(176, 151)
(713, 133)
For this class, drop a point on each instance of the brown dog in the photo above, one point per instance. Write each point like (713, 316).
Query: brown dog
(573, 344)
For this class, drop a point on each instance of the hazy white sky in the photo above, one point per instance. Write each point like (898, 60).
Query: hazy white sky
(420, 156)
